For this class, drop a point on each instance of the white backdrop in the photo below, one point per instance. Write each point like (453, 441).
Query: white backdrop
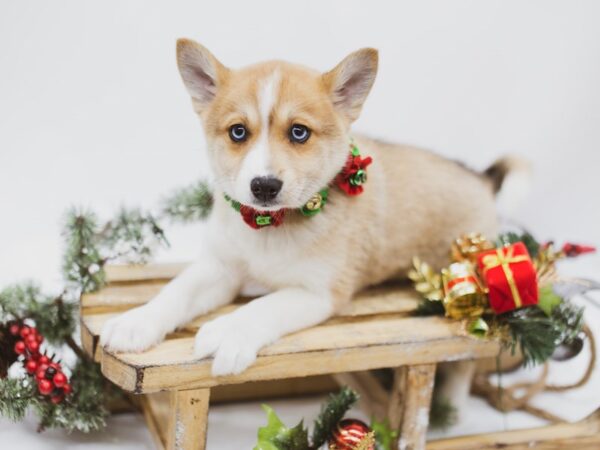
(92, 111)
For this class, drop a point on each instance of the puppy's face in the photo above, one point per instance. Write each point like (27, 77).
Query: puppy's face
(276, 132)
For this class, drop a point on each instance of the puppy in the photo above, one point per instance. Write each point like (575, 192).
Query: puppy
(277, 134)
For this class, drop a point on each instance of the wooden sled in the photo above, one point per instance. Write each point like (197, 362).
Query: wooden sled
(375, 331)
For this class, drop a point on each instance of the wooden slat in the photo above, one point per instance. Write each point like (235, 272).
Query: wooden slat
(188, 420)
(583, 435)
(131, 273)
(418, 388)
(196, 374)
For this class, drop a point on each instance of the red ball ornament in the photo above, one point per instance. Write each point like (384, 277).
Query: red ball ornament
(31, 366)
(45, 387)
(67, 389)
(352, 434)
(44, 359)
(59, 379)
(20, 347)
(14, 329)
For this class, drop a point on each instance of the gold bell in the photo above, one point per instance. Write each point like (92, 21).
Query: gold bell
(315, 202)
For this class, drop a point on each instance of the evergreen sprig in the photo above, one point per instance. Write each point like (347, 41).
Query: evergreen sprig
(537, 334)
(331, 413)
(83, 264)
(189, 204)
(131, 236)
(54, 317)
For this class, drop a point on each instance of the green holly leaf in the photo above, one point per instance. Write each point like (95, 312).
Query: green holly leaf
(384, 435)
(548, 300)
(276, 436)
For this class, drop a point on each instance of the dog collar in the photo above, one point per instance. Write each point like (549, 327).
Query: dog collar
(351, 179)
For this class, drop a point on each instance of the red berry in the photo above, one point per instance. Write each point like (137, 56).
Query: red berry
(14, 329)
(67, 389)
(44, 359)
(39, 338)
(56, 399)
(33, 346)
(31, 337)
(40, 374)
(54, 365)
(45, 387)
(20, 347)
(31, 366)
(25, 331)
(59, 379)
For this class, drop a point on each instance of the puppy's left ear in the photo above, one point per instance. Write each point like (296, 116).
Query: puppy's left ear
(351, 80)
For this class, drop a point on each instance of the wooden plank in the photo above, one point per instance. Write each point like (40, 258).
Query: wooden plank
(155, 408)
(127, 273)
(196, 374)
(583, 435)
(418, 389)
(329, 336)
(377, 300)
(264, 390)
(188, 420)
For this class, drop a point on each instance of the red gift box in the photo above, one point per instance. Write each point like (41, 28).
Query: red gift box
(510, 277)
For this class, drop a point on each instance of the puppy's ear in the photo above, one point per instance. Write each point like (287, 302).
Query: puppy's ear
(351, 80)
(200, 70)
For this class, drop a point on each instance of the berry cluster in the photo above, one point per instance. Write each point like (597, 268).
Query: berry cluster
(48, 374)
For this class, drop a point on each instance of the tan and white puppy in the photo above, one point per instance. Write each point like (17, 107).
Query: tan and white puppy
(276, 134)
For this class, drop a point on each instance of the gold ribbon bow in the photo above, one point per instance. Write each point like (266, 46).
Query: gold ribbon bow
(504, 259)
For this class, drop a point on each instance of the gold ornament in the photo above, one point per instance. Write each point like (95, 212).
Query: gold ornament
(463, 294)
(467, 246)
(427, 282)
(315, 202)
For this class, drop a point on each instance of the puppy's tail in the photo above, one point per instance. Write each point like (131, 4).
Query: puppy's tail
(511, 180)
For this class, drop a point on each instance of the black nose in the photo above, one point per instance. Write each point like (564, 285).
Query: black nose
(265, 188)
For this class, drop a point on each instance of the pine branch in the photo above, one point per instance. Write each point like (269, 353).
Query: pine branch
(16, 396)
(533, 246)
(331, 413)
(132, 236)
(189, 204)
(83, 264)
(429, 308)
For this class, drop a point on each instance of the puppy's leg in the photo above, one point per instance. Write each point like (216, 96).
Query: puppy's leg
(455, 383)
(202, 287)
(236, 338)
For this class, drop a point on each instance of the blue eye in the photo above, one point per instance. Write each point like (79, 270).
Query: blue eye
(238, 133)
(299, 133)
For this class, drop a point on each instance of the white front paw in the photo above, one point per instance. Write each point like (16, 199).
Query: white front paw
(133, 331)
(233, 342)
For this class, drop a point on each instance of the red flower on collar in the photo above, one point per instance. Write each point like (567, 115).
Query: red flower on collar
(354, 174)
(258, 219)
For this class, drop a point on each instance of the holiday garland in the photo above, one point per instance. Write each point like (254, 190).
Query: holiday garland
(75, 396)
